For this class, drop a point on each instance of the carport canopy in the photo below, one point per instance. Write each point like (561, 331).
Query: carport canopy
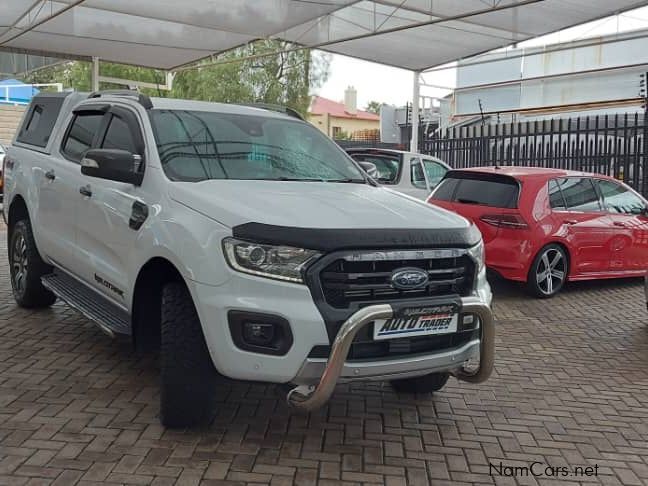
(169, 34)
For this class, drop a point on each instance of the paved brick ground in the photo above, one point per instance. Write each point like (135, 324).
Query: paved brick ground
(570, 389)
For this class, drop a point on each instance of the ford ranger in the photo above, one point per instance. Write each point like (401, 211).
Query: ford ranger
(239, 241)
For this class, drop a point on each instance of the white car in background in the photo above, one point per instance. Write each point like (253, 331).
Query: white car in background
(407, 172)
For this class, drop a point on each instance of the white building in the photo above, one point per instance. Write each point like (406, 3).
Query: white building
(586, 77)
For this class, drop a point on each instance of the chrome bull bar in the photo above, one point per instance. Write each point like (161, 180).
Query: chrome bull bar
(308, 398)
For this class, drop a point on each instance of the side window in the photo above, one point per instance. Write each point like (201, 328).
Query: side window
(618, 199)
(119, 136)
(34, 119)
(434, 172)
(556, 200)
(579, 194)
(418, 178)
(39, 120)
(80, 134)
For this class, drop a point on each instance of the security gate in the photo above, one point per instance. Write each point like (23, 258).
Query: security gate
(607, 144)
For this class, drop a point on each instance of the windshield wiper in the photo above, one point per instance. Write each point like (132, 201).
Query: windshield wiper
(314, 179)
(348, 180)
(295, 179)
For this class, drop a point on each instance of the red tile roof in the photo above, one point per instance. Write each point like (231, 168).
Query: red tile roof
(320, 105)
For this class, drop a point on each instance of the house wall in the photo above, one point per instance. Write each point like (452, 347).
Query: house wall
(10, 117)
(326, 124)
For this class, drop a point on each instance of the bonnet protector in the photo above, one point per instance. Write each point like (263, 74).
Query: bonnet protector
(327, 240)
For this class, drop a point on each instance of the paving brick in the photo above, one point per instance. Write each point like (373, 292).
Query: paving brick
(570, 388)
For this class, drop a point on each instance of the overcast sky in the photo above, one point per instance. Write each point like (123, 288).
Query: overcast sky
(394, 86)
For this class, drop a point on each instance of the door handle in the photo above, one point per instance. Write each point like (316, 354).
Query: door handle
(50, 174)
(619, 224)
(570, 221)
(86, 191)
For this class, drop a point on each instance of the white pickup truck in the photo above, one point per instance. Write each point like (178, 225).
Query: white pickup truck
(240, 242)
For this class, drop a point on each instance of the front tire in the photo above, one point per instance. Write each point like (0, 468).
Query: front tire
(26, 267)
(421, 384)
(188, 378)
(548, 272)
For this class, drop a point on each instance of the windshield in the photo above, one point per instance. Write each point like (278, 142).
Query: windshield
(200, 145)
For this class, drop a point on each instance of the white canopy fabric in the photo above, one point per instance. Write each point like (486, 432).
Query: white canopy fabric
(166, 34)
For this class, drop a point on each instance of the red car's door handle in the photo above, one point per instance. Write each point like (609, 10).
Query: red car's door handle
(619, 223)
(570, 221)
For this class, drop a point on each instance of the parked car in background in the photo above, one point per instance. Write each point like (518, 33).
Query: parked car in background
(547, 226)
(3, 153)
(407, 172)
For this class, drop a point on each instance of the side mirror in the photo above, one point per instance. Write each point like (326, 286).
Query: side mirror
(112, 164)
(370, 168)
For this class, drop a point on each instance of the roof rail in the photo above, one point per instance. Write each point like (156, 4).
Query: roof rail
(272, 107)
(143, 100)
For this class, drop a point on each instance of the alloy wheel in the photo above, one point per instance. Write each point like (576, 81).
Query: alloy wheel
(19, 263)
(550, 272)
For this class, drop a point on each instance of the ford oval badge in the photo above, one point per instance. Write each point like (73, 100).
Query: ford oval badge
(409, 278)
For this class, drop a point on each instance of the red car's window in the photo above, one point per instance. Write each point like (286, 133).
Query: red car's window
(445, 190)
(556, 200)
(618, 199)
(579, 194)
(479, 189)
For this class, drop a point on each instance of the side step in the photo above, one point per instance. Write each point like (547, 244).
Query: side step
(110, 318)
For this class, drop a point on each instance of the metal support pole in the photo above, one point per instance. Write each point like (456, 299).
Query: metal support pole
(415, 112)
(94, 80)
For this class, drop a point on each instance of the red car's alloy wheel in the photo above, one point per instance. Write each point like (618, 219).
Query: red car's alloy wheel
(549, 270)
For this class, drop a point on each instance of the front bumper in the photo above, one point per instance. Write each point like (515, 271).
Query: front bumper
(248, 293)
(313, 368)
(307, 396)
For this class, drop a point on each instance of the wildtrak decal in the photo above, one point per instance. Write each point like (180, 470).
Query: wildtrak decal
(108, 285)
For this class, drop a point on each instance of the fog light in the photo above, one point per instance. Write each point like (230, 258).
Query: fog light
(468, 322)
(258, 334)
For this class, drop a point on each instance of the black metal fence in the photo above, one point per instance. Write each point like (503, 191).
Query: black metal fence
(614, 145)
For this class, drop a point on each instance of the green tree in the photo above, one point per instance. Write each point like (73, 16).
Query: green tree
(374, 107)
(253, 75)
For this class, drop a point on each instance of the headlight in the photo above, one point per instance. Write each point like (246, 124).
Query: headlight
(278, 262)
(477, 254)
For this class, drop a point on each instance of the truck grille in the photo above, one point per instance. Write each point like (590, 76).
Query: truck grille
(347, 283)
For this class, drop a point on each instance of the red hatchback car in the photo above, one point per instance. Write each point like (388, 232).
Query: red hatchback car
(546, 226)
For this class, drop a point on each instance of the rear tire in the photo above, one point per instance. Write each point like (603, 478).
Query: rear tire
(421, 384)
(26, 267)
(188, 379)
(548, 272)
